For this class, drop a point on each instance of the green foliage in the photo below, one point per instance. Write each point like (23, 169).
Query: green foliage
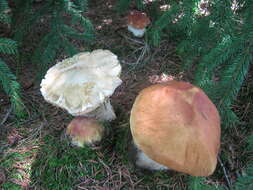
(122, 145)
(66, 24)
(156, 31)
(123, 5)
(245, 181)
(3, 5)
(197, 183)
(140, 4)
(11, 88)
(4, 17)
(250, 142)
(82, 4)
(8, 46)
(8, 81)
(228, 60)
(8, 161)
(216, 40)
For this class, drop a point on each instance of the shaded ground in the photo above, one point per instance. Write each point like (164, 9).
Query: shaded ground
(36, 155)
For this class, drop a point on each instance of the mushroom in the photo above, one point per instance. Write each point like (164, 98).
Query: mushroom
(85, 131)
(83, 84)
(137, 22)
(175, 126)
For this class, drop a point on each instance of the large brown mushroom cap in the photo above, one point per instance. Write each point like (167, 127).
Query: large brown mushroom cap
(138, 20)
(177, 125)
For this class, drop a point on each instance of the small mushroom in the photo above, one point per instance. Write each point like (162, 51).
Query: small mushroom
(175, 125)
(137, 22)
(83, 84)
(85, 131)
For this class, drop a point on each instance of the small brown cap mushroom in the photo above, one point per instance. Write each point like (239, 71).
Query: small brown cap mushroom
(177, 125)
(84, 130)
(138, 20)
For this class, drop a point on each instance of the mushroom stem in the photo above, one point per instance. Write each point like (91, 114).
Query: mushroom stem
(136, 32)
(143, 161)
(104, 112)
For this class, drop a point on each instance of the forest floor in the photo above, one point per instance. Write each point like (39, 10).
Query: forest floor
(36, 155)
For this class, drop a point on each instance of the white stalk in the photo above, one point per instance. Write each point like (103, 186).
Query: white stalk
(104, 112)
(136, 32)
(143, 161)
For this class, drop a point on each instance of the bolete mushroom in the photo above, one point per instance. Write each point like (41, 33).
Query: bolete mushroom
(85, 131)
(137, 22)
(175, 125)
(83, 84)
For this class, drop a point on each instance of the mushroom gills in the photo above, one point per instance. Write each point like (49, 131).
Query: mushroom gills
(136, 32)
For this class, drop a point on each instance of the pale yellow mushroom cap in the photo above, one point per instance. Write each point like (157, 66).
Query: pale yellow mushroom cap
(82, 83)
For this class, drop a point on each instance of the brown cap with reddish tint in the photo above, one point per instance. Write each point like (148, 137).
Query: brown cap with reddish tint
(84, 130)
(138, 19)
(177, 125)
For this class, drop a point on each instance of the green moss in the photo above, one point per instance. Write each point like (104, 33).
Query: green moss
(11, 186)
(121, 143)
(59, 166)
(7, 162)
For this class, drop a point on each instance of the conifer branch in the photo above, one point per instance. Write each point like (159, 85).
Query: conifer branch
(245, 181)
(123, 5)
(12, 89)
(61, 33)
(8, 46)
(4, 16)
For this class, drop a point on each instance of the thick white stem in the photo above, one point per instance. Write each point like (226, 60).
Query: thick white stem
(104, 112)
(143, 161)
(136, 32)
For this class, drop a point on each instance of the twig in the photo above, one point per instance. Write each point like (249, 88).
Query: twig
(35, 132)
(132, 39)
(144, 50)
(6, 116)
(225, 172)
